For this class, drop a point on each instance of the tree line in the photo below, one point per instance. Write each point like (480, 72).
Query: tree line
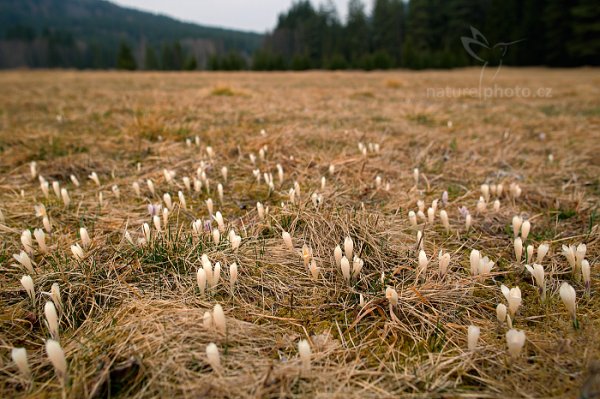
(412, 34)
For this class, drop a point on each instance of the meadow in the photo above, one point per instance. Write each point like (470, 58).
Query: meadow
(318, 234)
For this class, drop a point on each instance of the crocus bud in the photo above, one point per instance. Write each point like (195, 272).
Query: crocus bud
(568, 296)
(197, 227)
(146, 231)
(224, 173)
(77, 251)
(287, 239)
(391, 295)
(513, 297)
(541, 252)
(529, 253)
(94, 177)
(485, 266)
(525, 228)
(169, 175)
(216, 275)
(55, 295)
(515, 340)
(306, 254)
(85, 238)
(345, 267)
(236, 242)
(212, 355)
(420, 240)
(156, 221)
(150, 185)
(416, 176)
(24, 261)
(65, 197)
(444, 218)
(585, 272)
(40, 238)
(537, 271)
(485, 192)
(56, 188)
(517, 221)
(19, 356)
(496, 205)
(474, 258)
(337, 254)
(207, 321)
(33, 169)
(473, 337)
(219, 319)
(412, 217)
(305, 354)
(136, 189)
(51, 319)
(444, 261)
(445, 198)
(201, 279)
(280, 173)
(233, 275)
(348, 247)
(168, 201)
(182, 201)
(261, 210)
(468, 222)
(46, 223)
(481, 205)
(220, 221)
(27, 241)
(357, 265)
(430, 215)
(165, 216)
(501, 312)
(569, 253)
(314, 270)
(44, 187)
(27, 283)
(207, 266)
(515, 190)
(580, 253)
(423, 262)
(518, 245)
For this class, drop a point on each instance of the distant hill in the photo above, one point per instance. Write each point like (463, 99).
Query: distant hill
(98, 34)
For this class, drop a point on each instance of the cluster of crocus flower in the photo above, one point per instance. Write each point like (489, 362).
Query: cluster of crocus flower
(208, 277)
(215, 320)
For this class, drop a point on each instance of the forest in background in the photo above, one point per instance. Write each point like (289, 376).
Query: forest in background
(418, 34)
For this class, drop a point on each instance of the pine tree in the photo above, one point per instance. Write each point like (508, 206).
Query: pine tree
(356, 33)
(125, 58)
(585, 46)
(150, 60)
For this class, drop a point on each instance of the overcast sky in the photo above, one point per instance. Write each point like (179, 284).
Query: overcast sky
(255, 15)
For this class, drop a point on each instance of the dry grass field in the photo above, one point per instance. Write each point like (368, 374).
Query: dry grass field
(131, 317)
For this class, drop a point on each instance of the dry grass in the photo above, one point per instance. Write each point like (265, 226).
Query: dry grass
(132, 319)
